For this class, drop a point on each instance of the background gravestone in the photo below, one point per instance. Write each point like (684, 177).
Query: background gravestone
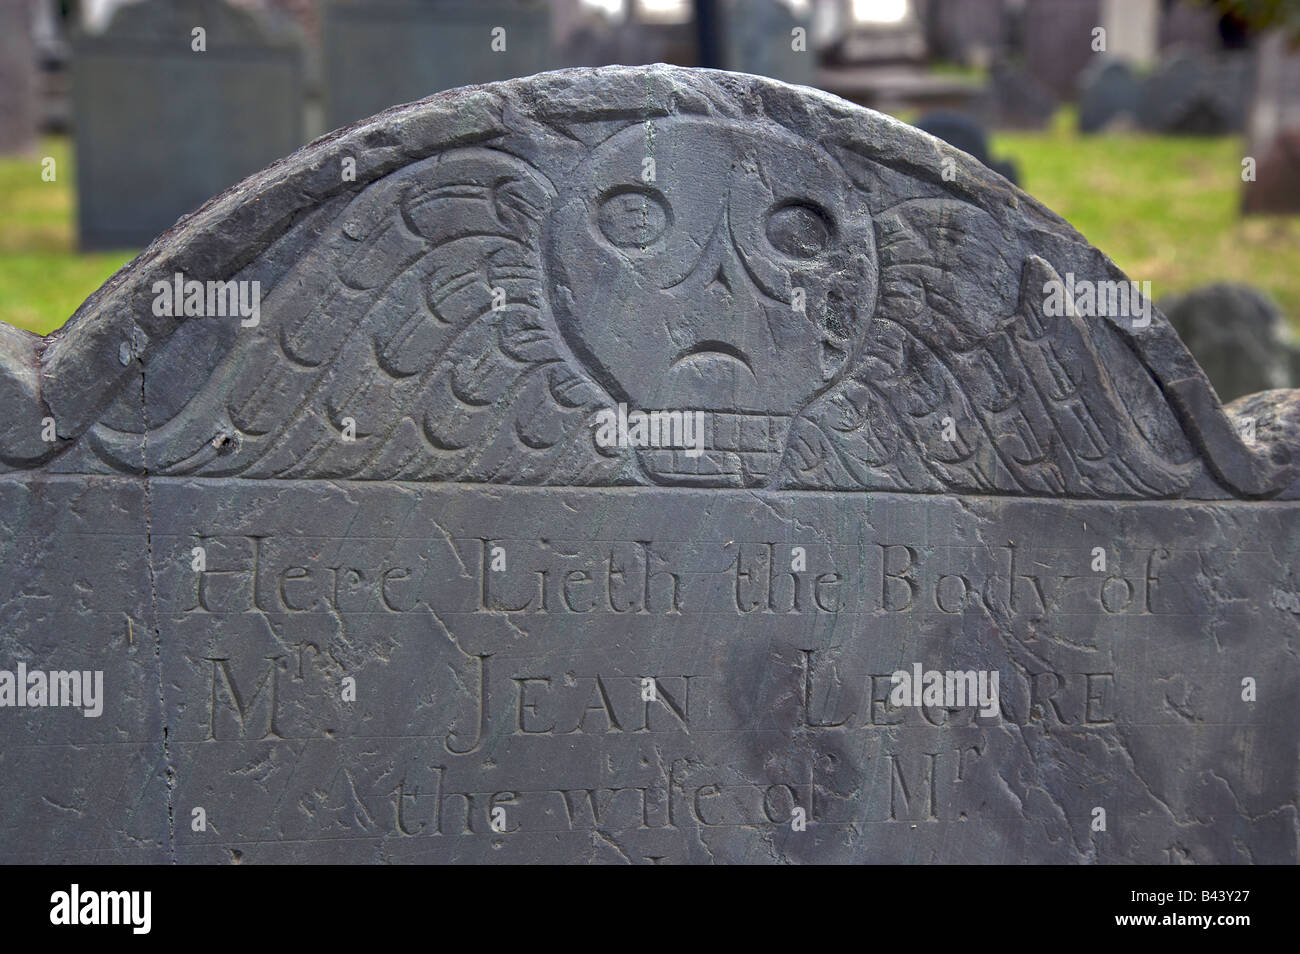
(1017, 99)
(160, 127)
(757, 39)
(424, 46)
(365, 585)
(1191, 27)
(1197, 95)
(1109, 96)
(19, 105)
(1274, 131)
(1058, 41)
(1238, 337)
(965, 132)
(971, 32)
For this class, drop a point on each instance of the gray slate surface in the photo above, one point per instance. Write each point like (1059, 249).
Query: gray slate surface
(965, 133)
(520, 689)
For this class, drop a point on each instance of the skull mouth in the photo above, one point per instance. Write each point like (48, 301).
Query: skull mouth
(713, 352)
(738, 449)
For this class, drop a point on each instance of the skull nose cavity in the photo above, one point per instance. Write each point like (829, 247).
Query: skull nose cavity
(719, 278)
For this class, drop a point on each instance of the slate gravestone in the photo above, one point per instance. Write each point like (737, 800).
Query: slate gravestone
(1109, 93)
(1237, 335)
(1197, 95)
(1274, 131)
(19, 105)
(965, 132)
(1017, 99)
(367, 578)
(758, 37)
(423, 47)
(161, 126)
(971, 32)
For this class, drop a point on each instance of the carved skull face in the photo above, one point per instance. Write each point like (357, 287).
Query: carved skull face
(736, 272)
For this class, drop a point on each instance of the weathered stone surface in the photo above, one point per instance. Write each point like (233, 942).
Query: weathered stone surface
(424, 47)
(638, 654)
(1271, 417)
(1237, 335)
(965, 132)
(161, 126)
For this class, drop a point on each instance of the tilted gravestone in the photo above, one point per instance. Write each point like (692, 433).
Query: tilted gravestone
(1109, 93)
(381, 52)
(1237, 335)
(166, 116)
(389, 567)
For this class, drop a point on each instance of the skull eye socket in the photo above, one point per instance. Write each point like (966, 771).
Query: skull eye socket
(799, 229)
(632, 217)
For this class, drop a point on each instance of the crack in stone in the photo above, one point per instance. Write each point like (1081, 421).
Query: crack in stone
(153, 598)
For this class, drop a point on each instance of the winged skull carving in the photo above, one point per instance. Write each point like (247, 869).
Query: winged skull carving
(466, 317)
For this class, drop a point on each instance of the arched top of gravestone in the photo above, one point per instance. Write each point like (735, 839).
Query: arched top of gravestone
(168, 25)
(462, 289)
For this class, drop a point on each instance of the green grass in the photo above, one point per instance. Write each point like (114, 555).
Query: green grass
(961, 71)
(1165, 209)
(42, 276)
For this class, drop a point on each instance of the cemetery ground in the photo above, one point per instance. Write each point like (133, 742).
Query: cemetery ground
(1166, 209)
(43, 278)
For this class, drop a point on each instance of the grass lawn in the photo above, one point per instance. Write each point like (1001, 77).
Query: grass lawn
(1165, 209)
(42, 276)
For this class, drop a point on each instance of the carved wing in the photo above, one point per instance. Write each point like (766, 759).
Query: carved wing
(413, 343)
(1013, 401)
(411, 316)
